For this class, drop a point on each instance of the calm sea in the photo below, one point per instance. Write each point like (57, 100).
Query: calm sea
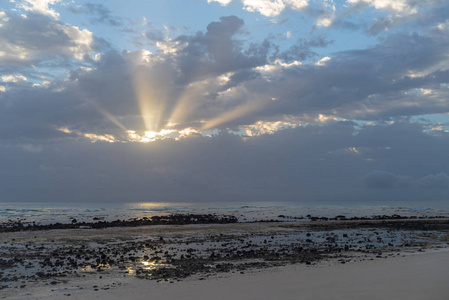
(45, 213)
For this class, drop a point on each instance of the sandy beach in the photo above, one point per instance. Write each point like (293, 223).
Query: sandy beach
(414, 276)
(398, 259)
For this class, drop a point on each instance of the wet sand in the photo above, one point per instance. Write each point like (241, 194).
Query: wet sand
(415, 276)
(293, 260)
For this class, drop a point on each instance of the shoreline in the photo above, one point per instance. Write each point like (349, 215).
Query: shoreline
(413, 276)
(199, 219)
(64, 260)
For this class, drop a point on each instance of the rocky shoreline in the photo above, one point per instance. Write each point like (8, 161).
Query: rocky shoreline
(173, 252)
(186, 219)
(175, 219)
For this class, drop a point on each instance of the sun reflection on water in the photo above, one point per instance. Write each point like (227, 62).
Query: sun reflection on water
(152, 265)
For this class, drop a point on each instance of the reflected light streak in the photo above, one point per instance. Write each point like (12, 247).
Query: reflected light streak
(152, 265)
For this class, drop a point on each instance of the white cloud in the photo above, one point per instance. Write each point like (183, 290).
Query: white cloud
(443, 26)
(38, 38)
(267, 127)
(82, 40)
(13, 78)
(3, 18)
(274, 69)
(297, 4)
(268, 8)
(222, 2)
(2, 88)
(398, 6)
(44, 84)
(169, 46)
(39, 6)
(323, 61)
(324, 22)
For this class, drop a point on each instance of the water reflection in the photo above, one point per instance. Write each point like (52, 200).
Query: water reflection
(152, 265)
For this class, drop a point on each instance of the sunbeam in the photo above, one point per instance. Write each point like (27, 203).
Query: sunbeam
(236, 113)
(152, 94)
(88, 99)
(185, 105)
(108, 116)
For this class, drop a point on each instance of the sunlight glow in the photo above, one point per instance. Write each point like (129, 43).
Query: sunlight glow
(91, 136)
(150, 136)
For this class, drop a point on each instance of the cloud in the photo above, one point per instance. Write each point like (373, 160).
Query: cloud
(201, 113)
(39, 6)
(387, 14)
(366, 84)
(296, 164)
(394, 14)
(32, 148)
(154, 35)
(397, 6)
(303, 49)
(268, 8)
(386, 180)
(131, 86)
(440, 180)
(99, 13)
(222, 2)
(211, 80)
(217, 51)
(35, 38)
(383, 179)
(13, 78)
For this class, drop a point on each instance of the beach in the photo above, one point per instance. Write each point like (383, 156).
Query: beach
(419, 276)
(373, 259)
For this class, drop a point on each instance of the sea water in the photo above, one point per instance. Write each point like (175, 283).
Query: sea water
(47, 213)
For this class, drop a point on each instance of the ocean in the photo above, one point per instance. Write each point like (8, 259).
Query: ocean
(47, 213)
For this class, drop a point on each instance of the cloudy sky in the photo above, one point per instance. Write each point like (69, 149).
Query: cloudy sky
(224, 100)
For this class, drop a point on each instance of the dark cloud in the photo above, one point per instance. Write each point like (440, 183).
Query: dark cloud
(374, 83)
(313, 163)
(98, 12)
(412, 14)
(377, 83)
(44, 154)
(217, 51)
(430, 14)
(382, 179)
(440, 180)
(386, 180)
(303, 49)
(154, 35)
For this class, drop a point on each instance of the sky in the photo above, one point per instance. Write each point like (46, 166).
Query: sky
(222, 101)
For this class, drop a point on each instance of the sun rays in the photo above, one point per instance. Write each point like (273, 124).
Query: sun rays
(167, 110)
(152, 94)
